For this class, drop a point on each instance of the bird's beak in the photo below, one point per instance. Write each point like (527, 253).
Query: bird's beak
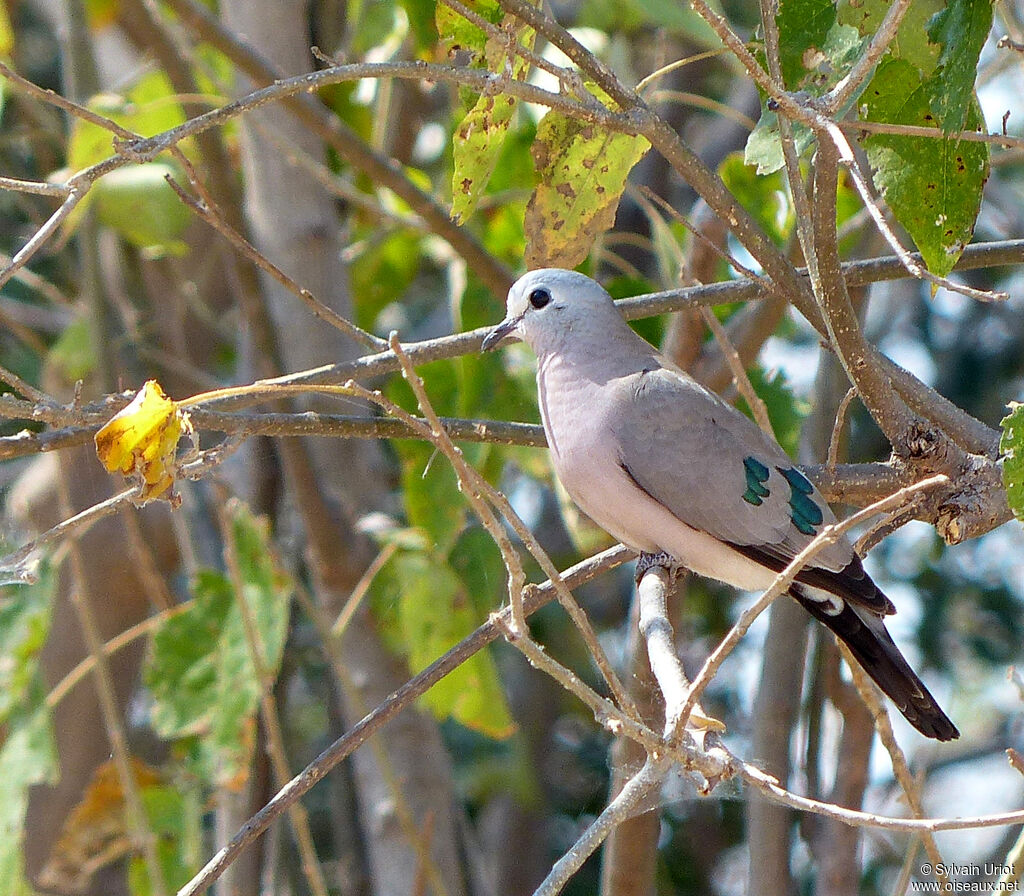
(500, 332)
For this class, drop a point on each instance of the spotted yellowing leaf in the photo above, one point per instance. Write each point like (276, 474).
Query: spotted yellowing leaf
(95, 832)
(478, 140)
(583, 170)
(933, 185)
(141, 442)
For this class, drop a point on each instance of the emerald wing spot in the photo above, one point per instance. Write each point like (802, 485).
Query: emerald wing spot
(756, 476)
(806, 514)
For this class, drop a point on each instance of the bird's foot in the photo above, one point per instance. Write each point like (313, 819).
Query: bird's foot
(663, 559)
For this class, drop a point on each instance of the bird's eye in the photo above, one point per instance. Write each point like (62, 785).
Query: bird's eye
(539, 298)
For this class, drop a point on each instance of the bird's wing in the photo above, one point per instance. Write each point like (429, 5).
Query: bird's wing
(715, 470)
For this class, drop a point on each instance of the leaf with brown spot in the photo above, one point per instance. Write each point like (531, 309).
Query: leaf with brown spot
(933, 185)
(583, 172)
(478, 140)
(141, 442)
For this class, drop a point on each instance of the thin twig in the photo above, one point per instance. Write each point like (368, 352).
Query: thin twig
(142, 833)
(74, 109)
(837, 429)
(347, 143)
(361, 589)
(14, 566)
(860, 181)
(625, 805)
(275, 735)
(897, 758)
(478, 485)
(38, 187)
(27, 389)
(739, 375)
(845, 334)
(859, 126)
(38, 239)
(666, 667)
(469, 485)
(836, 99)
(403, 697)
(675, 65)
(118, 642)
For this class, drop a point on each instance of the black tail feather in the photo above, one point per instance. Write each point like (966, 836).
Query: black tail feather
(879, 656)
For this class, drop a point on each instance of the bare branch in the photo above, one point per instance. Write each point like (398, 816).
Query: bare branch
(625, 805)
(860, 181)
(40, 188)
(477, 485)
(844, 330)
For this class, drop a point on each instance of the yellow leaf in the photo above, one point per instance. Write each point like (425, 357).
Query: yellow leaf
(141, 442)
(94, 833)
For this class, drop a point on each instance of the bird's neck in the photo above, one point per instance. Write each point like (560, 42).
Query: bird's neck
(619, 352)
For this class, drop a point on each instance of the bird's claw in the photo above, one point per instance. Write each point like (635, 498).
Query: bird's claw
(647, 562)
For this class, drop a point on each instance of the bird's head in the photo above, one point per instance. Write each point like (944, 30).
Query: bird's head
(548, 306)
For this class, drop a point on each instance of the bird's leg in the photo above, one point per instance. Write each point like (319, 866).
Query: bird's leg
(649, 561)
(658, 635)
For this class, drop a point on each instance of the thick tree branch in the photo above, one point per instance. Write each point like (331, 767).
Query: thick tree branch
(858, 358)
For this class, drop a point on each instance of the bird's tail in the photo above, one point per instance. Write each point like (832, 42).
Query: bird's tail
(878, 655)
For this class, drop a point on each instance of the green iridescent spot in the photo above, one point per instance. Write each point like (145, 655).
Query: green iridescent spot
(807, 515)
(756, 474)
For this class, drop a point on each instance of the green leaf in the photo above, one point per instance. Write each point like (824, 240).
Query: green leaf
(476, 560)
(27, 752)
(477, 145)
(28, 756)
(382, 273)
(421, 19)
(430, 488)
(143, 208)
(457, 33)
(374, 25)
(478, 140)
(583, 170)
(25, 613)
(73, 352)
(764, 145)
(6, 32)
(631, 16)
(911, 43)
(785, 411)
(766, 197)
(961, 29)
(175, 817)
(149, 107)
(803, 26)
(434, 612)
(482, 387)
(200, 671)
(933, 186)
(1011, 447)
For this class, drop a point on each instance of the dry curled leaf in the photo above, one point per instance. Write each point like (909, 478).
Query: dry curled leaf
(141, 442)
(94, 833)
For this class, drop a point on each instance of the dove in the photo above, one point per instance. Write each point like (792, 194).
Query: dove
(669, 468)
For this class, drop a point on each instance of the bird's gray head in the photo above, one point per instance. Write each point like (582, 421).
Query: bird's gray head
(549, 306)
